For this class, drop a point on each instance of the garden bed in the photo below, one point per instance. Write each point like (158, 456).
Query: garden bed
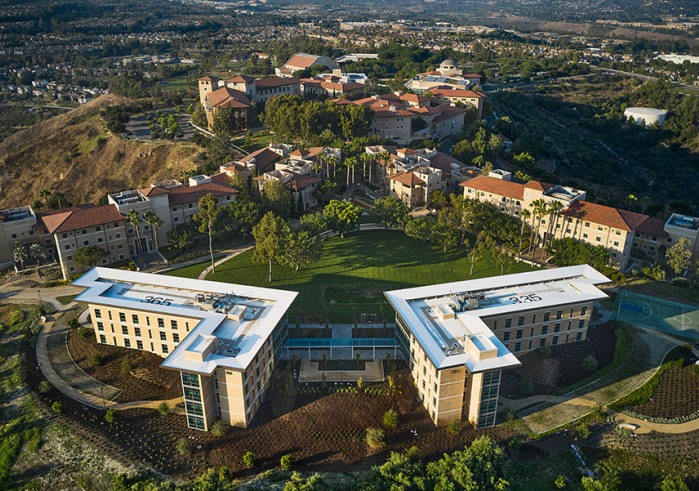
(356, 294)
(310, 332)
(373, 332)
(143, 381)
(567, 359)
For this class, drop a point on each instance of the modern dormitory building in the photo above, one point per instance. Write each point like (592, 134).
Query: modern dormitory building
(224, 339)
(629, 236)
(458, 337)
(62, 232)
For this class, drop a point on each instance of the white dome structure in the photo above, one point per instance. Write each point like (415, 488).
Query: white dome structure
(647, 115)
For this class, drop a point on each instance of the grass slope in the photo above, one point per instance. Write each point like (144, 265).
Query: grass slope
(75, 154)
(378, 260)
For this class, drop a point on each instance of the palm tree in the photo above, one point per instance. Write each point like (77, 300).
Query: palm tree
(61, 198)
(385, 159)
(350, 164)
(554, 210)
(540, 210)
(19, 254)
(331, 160)
(134, 220)
(36, 252)
(46, 194)
(155, 222)
(524, 216)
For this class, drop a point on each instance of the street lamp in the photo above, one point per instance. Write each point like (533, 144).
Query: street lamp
(104, 405)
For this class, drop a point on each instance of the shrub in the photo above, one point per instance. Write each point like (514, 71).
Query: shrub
(544, 352)
(390, 419)
(163, 408)
(560, 482)
(83, 332)
(96, 359)
(582, 431)
(590, 364)
(249, 459)
(218, 429)
(286, 461)
(45, 387)
(74, 323)
(375, 438)
(695, 369)
(454, 427)
(110, 416)
(126, 366)
(183, 447)
(57, 407)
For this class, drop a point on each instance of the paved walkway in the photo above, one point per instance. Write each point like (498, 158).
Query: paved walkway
(649, 350)
(16, 294)
(649, 426)
(229, 254)
(373, 372)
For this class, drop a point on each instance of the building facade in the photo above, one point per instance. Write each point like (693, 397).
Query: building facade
(458, 337)
(223, 339)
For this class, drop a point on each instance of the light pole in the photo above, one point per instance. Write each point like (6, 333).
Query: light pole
(104, 405)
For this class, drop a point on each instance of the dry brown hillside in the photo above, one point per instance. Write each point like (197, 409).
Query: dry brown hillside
(76, 155)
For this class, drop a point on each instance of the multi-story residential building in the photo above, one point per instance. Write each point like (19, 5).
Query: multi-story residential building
(17, 225)
(299, 178)
(619, 231)
(460, 96)
(330, 87)
(458, 337)
(224, 339)
(415, 186)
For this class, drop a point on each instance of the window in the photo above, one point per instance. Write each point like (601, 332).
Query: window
(554, 341)
(518, 347)
(520, 321)
(559, 314)
(127, 343)
(584, 236)
(98, 313)
(67, 247)
(125, 330)
(110, 314)
(122, 317)
(190, 379)
(506, 337)
(164, 346)
(137, 331)
(519, 334)
(598, 239)
(546, 316)
(97, 229)
(579, 336)
(161, 322)
(616, 243)
(508, 322)
(86, 242)
(583, 311)
(557, 327)
(134, 318)
(163, 337)
(542, 342)
(103, 339)
(581, 324)
(100, 326)
(139, 344)
(176, 337)
(173, 324)
(544, 330)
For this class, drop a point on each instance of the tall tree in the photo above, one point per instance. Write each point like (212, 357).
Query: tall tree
(276, 198)
(271, 238)
(19, 254)
(155, 223)
(245, 213)
(135, 221)
(419, 228)
(181, 236)
(679, 256)
(524, 216)
(392, 212)
(342, 216)
(301, 250)
(206, 218)
(89, 256)
(46, 194)
(443, 234)
(37, 252)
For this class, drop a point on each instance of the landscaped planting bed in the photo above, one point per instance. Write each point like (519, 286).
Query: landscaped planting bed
(567, 359)
(676, 395)
(145, 381)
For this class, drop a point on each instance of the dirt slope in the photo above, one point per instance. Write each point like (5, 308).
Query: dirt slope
(76, 155)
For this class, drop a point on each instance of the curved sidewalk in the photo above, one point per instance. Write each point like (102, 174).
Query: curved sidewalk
(231, 253)
(59, 368)
(649, 426)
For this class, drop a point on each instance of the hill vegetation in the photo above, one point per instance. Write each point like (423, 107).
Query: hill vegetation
(76, 155)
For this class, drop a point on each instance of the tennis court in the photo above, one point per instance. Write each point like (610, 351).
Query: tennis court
(673, 318)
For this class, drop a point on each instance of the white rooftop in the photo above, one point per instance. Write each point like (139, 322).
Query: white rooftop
(447, 320)
(230, 322)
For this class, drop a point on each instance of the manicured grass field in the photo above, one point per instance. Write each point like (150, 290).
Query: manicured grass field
(378, 260)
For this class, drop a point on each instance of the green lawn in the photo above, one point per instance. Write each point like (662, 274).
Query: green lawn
(378, 260)
(191, 271)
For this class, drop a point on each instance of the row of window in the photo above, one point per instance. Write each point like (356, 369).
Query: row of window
(542, 342)
(139, 344)
(544, 330)
(135, 319)
(547, 317)
(137, 332)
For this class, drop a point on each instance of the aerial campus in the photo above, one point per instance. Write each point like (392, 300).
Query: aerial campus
(351, 255)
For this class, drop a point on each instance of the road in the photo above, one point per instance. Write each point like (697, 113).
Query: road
(645, 78)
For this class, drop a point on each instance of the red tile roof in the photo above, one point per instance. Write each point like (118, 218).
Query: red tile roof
(407, 179)
(493, 185)
(81, 218)
(192, 194)
(300, 182)
(443, 162)
(153, 191)
(301, 61)
(605, 215)
(241, 79)
(538, 185)
(653, 226)
(227, 97)
(263, 158)
(456, 93)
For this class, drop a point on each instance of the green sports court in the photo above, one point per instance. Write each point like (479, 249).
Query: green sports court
(673, 318)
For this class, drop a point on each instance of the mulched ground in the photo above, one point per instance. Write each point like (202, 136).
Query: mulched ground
(567, 358)
(676, 395)
(146, 381)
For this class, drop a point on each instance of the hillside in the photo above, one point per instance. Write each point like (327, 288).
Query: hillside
(75, 154)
